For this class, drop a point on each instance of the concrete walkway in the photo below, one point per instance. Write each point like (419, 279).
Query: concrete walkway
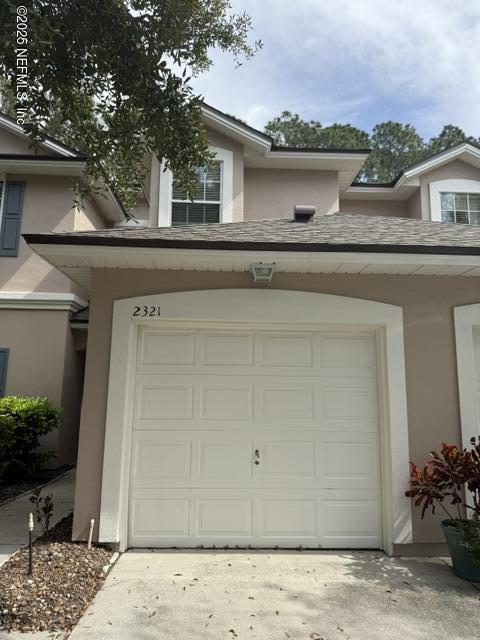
(14, 514)
(176, 595)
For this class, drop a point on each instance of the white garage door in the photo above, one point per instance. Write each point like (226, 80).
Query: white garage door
(263, 437)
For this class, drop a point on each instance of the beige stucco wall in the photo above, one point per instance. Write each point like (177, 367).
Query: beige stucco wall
(273, 193)
(87, 216)
(415, 205)
(48, 206)
(12, 143)
(395, 208)
(43, 362)
(427, 303)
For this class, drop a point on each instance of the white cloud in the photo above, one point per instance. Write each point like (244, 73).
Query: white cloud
(346, 60)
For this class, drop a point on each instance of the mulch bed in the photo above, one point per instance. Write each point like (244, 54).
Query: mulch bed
(66, 576)
(14, 489)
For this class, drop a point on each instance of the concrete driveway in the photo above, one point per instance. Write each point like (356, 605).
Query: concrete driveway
(181, 595)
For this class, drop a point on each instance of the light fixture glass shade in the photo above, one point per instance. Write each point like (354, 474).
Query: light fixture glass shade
(262, 271)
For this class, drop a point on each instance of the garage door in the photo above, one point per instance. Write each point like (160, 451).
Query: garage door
(255, 437)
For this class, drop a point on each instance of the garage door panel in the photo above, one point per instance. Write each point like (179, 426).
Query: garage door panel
(160, 517)
(308, 459)
(164, 401)
(286, 350)
(284, 519)
(291, 459)
(167, 348)
(228, 349)
(266, 438)
(224, 518)
(220, 517)
(350, 523)
(226, 400)
(201, 401)
(230, 461)
(347, 351)
(155, 459)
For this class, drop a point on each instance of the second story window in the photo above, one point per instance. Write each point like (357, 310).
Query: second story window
(207, 199)
(462, 208)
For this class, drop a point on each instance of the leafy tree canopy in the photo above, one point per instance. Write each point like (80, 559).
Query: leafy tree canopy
(112, 77)
(394, 145)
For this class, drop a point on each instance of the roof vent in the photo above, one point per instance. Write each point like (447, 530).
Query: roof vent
(302, 213)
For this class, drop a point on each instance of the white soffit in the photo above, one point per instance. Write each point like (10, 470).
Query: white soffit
(77, 262)
(401, 193)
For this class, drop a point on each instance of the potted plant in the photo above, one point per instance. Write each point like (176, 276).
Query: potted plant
(451, 480)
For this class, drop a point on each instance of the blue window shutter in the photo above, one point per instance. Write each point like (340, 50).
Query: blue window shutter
(3, 370)
(11, 218)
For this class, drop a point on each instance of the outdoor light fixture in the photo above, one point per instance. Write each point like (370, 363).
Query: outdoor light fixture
(262, 271)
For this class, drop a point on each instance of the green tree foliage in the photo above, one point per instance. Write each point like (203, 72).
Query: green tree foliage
(290, 130)
(394, 145)
(113, 76)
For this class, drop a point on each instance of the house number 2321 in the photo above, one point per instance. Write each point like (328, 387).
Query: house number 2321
(146, 311)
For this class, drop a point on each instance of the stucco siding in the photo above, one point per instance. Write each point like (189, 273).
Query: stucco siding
(42, 362)
(273, 193)
(12, 143)
(87, 216)
(432, 394)
(48, 206)
(397, 209)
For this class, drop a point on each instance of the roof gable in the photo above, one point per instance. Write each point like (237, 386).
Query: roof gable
(11, 131)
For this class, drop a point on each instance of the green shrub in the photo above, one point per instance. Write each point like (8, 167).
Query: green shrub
(23, 421)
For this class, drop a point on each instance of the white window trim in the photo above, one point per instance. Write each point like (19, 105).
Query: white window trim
(448, 186)
(260, 306)
(226, 205)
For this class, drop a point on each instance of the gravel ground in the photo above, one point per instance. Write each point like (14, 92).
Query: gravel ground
(14, 489)
(65, 579)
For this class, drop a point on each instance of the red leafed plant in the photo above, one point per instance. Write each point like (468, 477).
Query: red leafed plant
(448, 477)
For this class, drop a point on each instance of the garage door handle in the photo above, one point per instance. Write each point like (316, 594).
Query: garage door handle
(257, 456)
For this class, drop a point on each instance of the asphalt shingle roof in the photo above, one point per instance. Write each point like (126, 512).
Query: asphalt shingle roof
(334, 232)
(80, 316)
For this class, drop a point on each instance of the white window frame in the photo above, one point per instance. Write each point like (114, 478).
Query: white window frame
(449, 186)
(226, 189)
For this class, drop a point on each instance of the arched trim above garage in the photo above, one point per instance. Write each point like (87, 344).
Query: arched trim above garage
(267, 308)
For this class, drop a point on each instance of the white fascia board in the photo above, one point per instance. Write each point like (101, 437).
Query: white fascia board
(91, 257)
(45, 301)
(358, 158)
(441, 159)
(107, 202)
(6, 123)
(216, 120)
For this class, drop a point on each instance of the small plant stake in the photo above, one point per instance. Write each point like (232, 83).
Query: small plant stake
(30, 550)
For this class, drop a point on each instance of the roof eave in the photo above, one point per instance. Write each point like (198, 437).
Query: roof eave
(48, 142)
(79, 261)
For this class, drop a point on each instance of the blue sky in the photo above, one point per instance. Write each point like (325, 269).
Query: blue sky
(356, 61)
